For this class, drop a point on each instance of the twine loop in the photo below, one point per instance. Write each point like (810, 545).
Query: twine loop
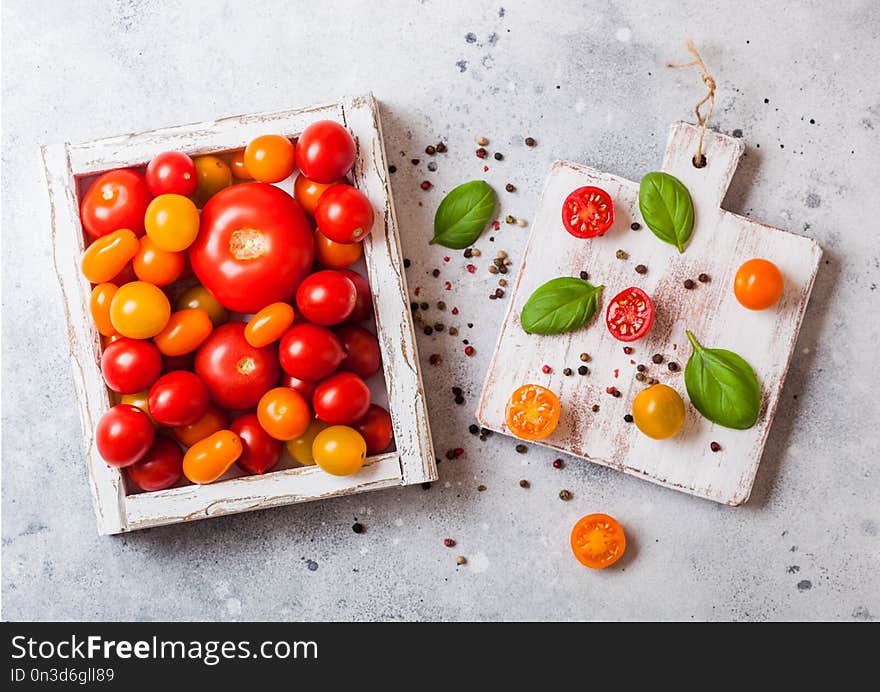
(709, 81)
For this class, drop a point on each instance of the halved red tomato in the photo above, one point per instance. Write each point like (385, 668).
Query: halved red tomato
(254, 247)
(588, 212)
(630, 314)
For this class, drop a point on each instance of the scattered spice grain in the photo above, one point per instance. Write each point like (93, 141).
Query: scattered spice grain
(689, 284)
(715, 447)
(521, 449)
(524, 483)
(565, 495)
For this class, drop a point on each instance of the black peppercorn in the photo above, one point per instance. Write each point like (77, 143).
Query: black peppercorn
(468, 253)
(657, 358)
(459, 400)
(566, 372)
(428, 331)
(530, 142)
(583, 370)
(435, 273)
(521, 449)
(510, 188)
(703, 278)
(628, 418)
(414, 162)
(628, 350)
(430, 150)
(715, 447)
(498, 156)
(584, 276)
(635, 225)
(441, 148)
(641, 368)
(641, 269)
(673, 366)
(595, 408)
(392, 168)
(689, 284)
(473, 428)
(406, 264)
(357, 527)
(524, 483)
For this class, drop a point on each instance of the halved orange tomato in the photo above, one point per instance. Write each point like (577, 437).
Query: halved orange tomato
(597, 541)
(532, 412)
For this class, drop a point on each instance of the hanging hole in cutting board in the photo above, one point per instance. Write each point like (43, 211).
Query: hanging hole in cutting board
(699, 161)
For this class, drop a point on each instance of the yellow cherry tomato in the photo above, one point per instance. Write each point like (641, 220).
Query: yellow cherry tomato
(99, 305)
(139, 400)
(268, 324)
(758, 284)
(335, 255)
(214, 174)
(210, 458)
(283, 413)
(236, 164)
(184, 333)
(269, 158)
(108, 255)
(308, 192)
(658, 411)
(200, 297)
(157, 266)
(172, 222)
(139, 310)
(339, 450)
(300, 448)
(213, 421)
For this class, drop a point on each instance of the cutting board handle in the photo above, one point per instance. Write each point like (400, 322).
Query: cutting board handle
(708, 184)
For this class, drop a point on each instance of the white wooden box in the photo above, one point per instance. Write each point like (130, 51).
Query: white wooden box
(720, 243)
(119, 510)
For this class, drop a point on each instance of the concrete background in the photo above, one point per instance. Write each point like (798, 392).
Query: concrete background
(586, 80)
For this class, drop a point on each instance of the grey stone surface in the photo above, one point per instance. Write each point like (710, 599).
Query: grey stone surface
(587, 81)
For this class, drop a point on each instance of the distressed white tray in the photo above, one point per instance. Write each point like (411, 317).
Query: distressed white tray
(720, 243)
(68, 165)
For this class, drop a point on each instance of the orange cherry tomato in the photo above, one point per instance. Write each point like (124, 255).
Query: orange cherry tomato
(108, 255)
(213, 421)
(268, 324)
(236, 164)
(758, 284)
(139, 310)
(210, 458)
(184, 333)
(172, 222)
(308, 192)
(200, 297)
(214, 174)
(284, 413)
(156, 266)
(532, 412)
(139, 399)
(269, 158)
(335, 255)
(339, 450)
(597, 541)
(99, 305)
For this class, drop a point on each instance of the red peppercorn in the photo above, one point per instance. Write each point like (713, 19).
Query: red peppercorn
(482, 153)
(447, 285)
(496, 224)
(449, 543)
(610, 390)
(458, 451)
(469, 350)
(471, 268)
(557, 463)
(446, 259)
(546, 369)
(454, 311)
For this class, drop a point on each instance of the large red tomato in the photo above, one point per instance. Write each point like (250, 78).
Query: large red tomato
(325, 151)
(235, 373)
(117, 199)
(254, 247)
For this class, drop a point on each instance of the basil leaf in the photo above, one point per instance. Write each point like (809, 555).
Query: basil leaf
(560, 305)
(667, 208)
(463, 214)
(722, 386)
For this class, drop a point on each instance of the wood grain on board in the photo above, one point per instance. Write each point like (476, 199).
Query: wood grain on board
(117, 509)
(720, 243)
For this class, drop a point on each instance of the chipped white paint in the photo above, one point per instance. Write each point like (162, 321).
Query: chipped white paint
(721, 242)
(413, 460)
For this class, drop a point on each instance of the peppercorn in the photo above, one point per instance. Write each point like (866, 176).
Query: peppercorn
(492, 296)
(509, 219)
(635, 225)
(435, 359)
(493, 269)
(640, 376)
(476, 252)
(715, 447)
(564, 495)
(557, 463)
(469, 351)
(628, 418)
(473, 429)
(628, 350)
(428, 330)
(459, 400)
(521, 449)
(583, 370)
(435, 273)
(524, 483)
(502, 282)
(689, 284)
(621, 255)
(482, 141)
(426, 185)
(453, 331)
(392, 168)
(530, 142)
(482, 153)
(510, 187)
(414, 162)
(468, 253)
(481, 488)
(498, 261)
(498, 156)
(595, 408)
(703, 278)
(616, 393)
(584, 275)
(426, 486)
(430, 150)
(651, 380)
(566, 372)
(657, 358)
(432, 166)
(585, 357)
(448, 542)
(546, 369)
(502, 269)
(424, 306)
(439, 327)
(673, 366)
(502, 254)
(499, 292)
(441, 305)
(641, 269)
(357, 527)
(441, 148)
(450, 454)
(460, 560)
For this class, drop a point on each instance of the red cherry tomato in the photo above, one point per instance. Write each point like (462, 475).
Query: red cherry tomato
(630, 314)
(172, 173)
(326, 297)
(362, 350)
(363, 307)
(260, 451)
(304, 387)
(124, 435)
(341, 399)
(160, 468)
(325, 151)
(310, 352)
(185, 362)
(117, 199)
(376, 429)
(236, 373)
(254, 247)
(344, 214)
(178, 398)
(588, 212)
(130, 365)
